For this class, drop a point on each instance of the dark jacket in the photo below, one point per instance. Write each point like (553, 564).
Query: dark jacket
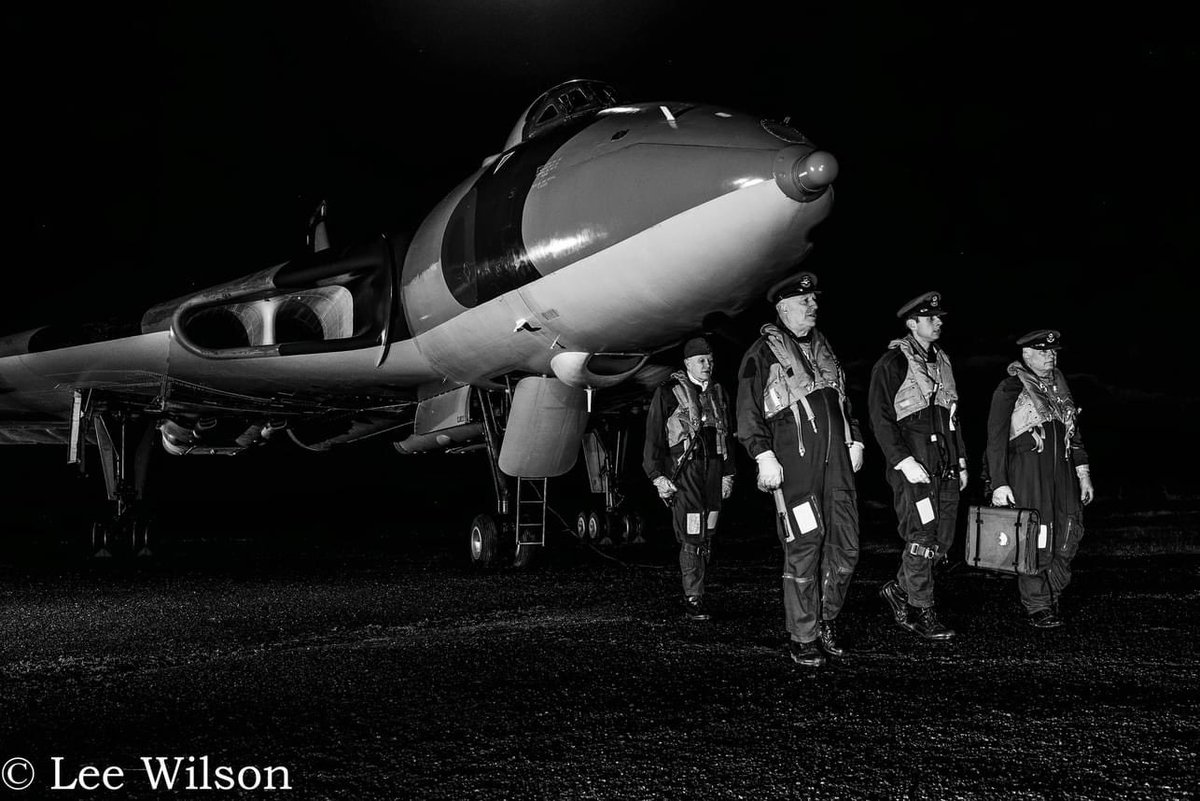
(911, 436)
(780, 433)
(659, 459)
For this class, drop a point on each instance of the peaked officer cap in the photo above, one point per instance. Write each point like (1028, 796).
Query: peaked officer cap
(1042, 339)
(927, 305)
(696, 346)
(804, 283)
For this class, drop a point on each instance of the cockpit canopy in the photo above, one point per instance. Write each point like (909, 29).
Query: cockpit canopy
(556, 106)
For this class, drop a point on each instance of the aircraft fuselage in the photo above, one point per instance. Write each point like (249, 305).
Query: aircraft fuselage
(612, 233)
(619, 233)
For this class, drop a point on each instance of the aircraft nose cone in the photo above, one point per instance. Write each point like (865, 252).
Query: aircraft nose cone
(804, 174)
(818, 171)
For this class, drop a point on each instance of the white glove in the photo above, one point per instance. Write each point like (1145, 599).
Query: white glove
(770, 471)
(962, 480)
(912, 470)
(666, 488)
(856, 455)
(726, 486)
(1002, 496)
(1086, 492)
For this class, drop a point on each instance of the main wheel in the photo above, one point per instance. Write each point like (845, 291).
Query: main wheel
(620, 528)
(637, 527)
(100, 540)
(581, 525)
(139, 531)
(485, 540)
(596, 529)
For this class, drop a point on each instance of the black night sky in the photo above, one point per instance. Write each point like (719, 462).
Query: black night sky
(1036, 166)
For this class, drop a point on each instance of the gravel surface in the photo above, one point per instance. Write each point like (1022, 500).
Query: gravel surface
(380, 674)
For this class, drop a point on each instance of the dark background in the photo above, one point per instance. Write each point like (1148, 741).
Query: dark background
(1036, 166)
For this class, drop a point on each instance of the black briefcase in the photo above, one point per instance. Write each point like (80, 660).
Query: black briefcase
(1008, 539)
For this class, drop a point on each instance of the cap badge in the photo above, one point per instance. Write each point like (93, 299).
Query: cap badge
(806, 282)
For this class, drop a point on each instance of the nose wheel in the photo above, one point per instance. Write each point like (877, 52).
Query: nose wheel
(484, 540)
(492, 540)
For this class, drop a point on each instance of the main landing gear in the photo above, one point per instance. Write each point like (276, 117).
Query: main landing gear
(604, 451)
(610, 527)
(124, 440)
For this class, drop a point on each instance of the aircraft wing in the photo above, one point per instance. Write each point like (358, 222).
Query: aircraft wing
(299, 345)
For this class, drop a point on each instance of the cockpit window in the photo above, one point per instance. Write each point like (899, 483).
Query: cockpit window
(785, 131)
(564, 102)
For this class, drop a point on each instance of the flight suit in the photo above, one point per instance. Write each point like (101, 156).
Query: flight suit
(1037, 454)
(818, 480)
(912, 404)
(695, 463)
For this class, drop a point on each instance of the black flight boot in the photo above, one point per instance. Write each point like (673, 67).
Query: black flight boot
(928, 626)
(693, 608)
(829, 637)
(1045, 619)
(897, 601)
(806, 653)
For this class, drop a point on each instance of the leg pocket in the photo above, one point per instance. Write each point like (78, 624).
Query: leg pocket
(842, 532)
(804, 517)
(917, 512)
(1070, 543)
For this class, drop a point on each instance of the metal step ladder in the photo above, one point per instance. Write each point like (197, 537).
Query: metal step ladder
(531, 511)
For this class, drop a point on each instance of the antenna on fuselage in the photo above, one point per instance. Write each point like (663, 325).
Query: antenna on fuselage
(318, 234)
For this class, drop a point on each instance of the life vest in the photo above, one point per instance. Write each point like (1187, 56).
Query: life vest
(790, 382)
(925, 382)
(1040, 402)
(689, 415)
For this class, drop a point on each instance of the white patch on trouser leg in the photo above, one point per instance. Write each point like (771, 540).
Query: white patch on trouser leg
(712, 520)
(1042, 536)
(925, 510)
(805, 517)
(693, 523)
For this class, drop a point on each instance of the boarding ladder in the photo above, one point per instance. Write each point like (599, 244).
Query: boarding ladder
(531, 511)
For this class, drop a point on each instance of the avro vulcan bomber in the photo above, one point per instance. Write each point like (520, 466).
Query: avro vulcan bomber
(531, 298)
